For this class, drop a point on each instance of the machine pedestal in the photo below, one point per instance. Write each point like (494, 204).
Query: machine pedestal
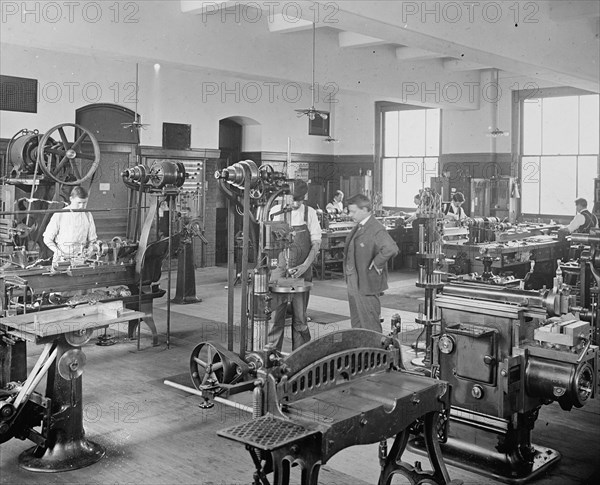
(61, 457)
(65, 447)
(186, 277)
(475, 450)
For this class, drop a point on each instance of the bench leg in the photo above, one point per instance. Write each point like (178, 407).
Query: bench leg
(260, 474)
(145, 307)
(393, 463)
(433, 448)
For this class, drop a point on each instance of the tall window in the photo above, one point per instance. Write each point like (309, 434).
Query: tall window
(410, 154)
(559, 153)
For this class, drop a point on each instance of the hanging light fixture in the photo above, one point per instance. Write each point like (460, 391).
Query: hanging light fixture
(136, 124)
(311, 112)
(496, 132)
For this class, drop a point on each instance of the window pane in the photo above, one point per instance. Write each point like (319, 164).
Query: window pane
(560, 125)
(390, 133)
(558, 185)
(412, 133)
(589, 129)
(430, 169)
(532, 127)
(409, 180)
(530, 185)
(388, 183)
(587, 171)
(432, 135)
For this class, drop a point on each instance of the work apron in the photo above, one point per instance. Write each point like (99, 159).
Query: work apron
(298, 253)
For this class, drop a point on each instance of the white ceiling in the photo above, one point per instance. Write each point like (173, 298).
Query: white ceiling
(555, 42)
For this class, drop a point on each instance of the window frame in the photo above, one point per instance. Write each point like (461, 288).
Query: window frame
(518, 99)
(382, 107)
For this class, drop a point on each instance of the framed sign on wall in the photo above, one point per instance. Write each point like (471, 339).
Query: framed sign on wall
(319, 126)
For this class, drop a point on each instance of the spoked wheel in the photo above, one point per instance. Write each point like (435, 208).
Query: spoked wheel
(66, 162)
(209, 367)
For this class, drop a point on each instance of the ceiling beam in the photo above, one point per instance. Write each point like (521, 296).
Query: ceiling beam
(356, 17)
(414, 54)
(281, 24)
(352, 39)
(458, 65)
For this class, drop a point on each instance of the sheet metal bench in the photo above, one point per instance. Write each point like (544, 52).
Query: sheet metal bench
(346, 388)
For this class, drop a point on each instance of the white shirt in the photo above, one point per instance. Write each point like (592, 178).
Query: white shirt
(577, 221)
(68, 233)
(335, 206)
(298, 220)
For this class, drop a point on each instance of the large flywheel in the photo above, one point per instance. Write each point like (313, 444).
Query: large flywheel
(209, 366)
(69, 162)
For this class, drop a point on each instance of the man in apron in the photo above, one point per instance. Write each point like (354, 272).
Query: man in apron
(70, 234)
(299, 258)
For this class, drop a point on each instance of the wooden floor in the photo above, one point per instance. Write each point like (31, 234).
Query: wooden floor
(154, 434)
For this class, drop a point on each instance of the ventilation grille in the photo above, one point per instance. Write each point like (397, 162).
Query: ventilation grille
(18, 94)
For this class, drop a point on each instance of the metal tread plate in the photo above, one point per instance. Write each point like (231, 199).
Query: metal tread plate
(267, 433)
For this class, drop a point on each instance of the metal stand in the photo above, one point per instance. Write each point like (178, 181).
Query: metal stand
(430, 248)
(65, 446)
(186, 276)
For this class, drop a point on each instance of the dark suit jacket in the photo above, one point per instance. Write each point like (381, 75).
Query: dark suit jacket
(372, 243)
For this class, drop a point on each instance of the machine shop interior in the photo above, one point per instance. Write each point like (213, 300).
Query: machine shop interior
(299, 242)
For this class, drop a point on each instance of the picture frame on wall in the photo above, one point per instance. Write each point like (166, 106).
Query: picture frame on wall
(319, 126)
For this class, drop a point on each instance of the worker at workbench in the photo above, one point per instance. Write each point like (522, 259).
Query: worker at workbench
(297, 263)
(69, 234)
(336, 206)
(583, 221)
(454, 211)
(411, 216)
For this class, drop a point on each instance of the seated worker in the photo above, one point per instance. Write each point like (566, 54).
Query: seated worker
(412, 215)
(69, 234)
(336, 206)
(454, 211)
(300, 256)
(583, 221)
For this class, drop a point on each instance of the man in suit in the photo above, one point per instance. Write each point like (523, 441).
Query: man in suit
(367, 251)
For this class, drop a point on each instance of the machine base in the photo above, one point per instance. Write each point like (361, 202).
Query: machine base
(61, 457)
(186, 300)
(488, 462)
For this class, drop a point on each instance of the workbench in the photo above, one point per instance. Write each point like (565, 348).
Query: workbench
(329, 262)
(42, 280)
(61, 444)
(510, 256)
